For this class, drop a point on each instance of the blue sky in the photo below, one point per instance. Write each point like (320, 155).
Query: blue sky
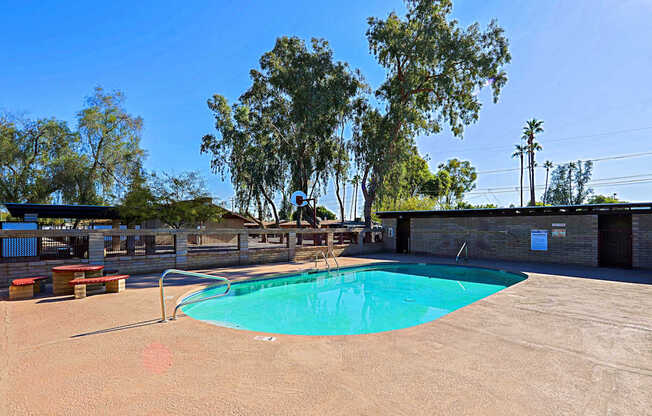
(582, 66)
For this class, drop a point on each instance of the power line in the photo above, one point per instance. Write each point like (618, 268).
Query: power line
(561, 139)
(599, 159)
(591, 184)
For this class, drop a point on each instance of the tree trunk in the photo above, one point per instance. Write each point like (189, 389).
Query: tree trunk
(339, 198)
(273, 205)
(531, 160)
(545, 191)
(521, 179)
(369, 193)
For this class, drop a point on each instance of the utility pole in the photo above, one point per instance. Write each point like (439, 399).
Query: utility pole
(570, 183)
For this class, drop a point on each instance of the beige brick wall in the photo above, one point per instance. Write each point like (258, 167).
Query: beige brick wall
(506, 238)
(642, 241)
(11, 271)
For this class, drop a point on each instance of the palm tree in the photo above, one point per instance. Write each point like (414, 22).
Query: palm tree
(531, 129)
(548, 165)
(520, 153)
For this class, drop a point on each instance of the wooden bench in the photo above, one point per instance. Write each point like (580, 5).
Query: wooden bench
(114, 284)
(25, 288)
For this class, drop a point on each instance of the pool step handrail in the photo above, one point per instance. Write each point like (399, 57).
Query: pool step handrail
(464, 248)
(328, 266)
(188, 302)
(331, 253)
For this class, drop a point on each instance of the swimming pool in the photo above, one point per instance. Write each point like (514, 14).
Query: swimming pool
(357, 300)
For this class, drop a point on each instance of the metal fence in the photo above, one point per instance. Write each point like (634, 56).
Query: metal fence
(138, 245)
(20, 249)
(212, 242)
(35, 245)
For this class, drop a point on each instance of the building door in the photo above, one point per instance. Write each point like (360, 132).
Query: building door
(403, 235)
(615, 240)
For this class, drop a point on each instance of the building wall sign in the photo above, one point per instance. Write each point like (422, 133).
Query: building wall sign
(539, 240)
(558, 233)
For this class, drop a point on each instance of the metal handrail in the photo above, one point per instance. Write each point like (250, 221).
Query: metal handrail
(330, 252)
(183, 272)
(328, 266)
(464, 248)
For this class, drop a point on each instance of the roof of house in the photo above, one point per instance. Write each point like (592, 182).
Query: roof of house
(82, 212)
(637, 207)
(63, 211)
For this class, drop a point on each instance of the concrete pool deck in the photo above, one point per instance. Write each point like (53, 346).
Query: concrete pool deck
(565, 341)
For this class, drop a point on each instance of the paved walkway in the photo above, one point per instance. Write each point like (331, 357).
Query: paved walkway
(565, 341)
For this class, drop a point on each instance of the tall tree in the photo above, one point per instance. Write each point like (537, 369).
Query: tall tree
(248, 148)
(520, 153)
(288, 117)
(34, 157)
(341, 165)
(109, 148)
(438, 186)
(547, 165)
(462, 179)
(569, 183)
(319, 93)
(531, 129)
(434, 70)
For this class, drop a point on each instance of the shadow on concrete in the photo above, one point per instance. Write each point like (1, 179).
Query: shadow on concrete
(56, 299)
(118, 328)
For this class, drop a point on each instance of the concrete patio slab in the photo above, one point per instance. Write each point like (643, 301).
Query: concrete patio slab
(564, 341)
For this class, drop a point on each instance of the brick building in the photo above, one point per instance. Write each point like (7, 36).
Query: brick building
(609, 235)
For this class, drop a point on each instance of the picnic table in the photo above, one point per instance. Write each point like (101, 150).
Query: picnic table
(61, 275)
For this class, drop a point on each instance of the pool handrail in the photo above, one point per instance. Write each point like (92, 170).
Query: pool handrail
(328, 266)
(331, 253)
(188, 302)
(464, 248)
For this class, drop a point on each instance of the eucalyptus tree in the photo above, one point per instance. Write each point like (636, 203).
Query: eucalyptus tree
(109, 150)
(248, 149)
(434, 71)
(319, 93)
(281, 130)
(462, 179)
(520, 152)
(531, 129)
(569, 183)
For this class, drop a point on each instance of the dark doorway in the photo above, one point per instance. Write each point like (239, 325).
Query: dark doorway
(615, 240)
(403, 235)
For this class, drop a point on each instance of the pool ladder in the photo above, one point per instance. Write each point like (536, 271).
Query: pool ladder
(325, 257)
(188, 302)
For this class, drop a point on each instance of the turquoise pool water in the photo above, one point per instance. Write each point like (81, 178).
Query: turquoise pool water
(358, 300)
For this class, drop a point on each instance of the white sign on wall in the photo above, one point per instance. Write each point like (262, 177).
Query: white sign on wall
(539, 240)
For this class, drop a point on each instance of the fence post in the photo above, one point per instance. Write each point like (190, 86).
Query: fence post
(96, 248)
(361, 235)
(292, 245)
(181, 250)
(115, 239)
(329, 241)
(243, 248)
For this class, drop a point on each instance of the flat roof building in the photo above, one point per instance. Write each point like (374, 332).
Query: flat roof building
(608, 235)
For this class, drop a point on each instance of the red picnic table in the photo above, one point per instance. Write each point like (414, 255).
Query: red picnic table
(61, 275)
